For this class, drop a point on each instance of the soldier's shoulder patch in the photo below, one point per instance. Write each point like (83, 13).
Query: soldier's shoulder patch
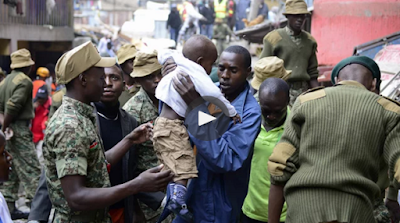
(19, 78)
(273, 37)
(312, 94)
(389, 104)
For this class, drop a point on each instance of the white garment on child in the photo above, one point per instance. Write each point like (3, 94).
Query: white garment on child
(4, 212)
(166, 92)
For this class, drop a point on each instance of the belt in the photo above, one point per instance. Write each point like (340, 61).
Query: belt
(90, 216)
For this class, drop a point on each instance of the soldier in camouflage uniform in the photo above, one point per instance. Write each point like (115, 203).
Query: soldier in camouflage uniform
(76, 165)
(17, 109)
(144, 108)
(126, 56)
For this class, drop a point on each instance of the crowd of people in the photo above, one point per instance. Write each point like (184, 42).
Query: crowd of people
(111, 139)
(215, 19)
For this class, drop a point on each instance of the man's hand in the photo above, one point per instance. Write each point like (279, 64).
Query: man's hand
(185, 88)
(141, 134)
(394, 210)
(154, 179)
(168, 66)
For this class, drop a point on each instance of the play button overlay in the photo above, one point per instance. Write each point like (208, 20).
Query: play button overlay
(206, 120)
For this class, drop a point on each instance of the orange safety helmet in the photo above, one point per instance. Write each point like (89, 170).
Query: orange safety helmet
(43, 72)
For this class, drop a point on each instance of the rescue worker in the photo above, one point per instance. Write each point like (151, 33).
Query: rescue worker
(297, 48)
(42, 74)
(16, 113)
(76, 165)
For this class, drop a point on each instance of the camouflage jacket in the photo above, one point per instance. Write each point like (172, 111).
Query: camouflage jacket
(73, 147)
(143, 110)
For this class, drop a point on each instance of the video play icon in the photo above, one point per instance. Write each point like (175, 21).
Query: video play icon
(207, 120)
(204, 118)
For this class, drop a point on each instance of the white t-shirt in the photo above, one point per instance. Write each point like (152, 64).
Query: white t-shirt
(166, 92)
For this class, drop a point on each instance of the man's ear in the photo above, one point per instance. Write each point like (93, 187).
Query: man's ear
(337, 80)
(82, 78)
(199, 60)
(373, 85)
(248, 70)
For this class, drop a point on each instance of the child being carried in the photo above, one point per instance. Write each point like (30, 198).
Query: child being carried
(170, 138)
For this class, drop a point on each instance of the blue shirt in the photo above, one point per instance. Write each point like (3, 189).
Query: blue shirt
(218, 193)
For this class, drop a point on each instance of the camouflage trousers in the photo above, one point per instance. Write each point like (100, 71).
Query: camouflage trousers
(25, 164)
(296, 89)
(152, 216)
(381, 213)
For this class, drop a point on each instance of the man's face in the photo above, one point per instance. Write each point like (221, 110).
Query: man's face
(273, 107)
(95, 83)
(150, 82)
(42, 101)
(232, 73)
(114, 85)
(296, 22)
(4, 164)
(127, 66)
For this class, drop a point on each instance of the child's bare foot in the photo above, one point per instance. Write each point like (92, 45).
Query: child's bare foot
(236, 119)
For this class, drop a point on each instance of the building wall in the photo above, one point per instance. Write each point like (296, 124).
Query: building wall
(340, 25)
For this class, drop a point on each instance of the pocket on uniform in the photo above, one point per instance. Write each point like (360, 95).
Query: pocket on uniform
(158, 133)
(184, 162)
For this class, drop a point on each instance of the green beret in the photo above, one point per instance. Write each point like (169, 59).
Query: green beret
(362, 60)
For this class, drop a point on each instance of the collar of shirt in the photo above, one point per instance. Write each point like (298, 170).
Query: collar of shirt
(82, 108)
(239, 101)
(290, 32)
(351, 83)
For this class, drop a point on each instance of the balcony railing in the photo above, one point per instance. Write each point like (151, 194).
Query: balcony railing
(37, 12)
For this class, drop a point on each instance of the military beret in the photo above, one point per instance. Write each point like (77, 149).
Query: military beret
(362, 60)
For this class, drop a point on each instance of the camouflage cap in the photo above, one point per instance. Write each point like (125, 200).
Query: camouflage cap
(126, 52)
(295, 7)
(268, 67)
(21, 58)
(79, 59)
(145, 64)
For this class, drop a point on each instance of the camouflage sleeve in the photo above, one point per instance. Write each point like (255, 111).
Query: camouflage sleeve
(71, 146)
(22, 93)
(134, 107)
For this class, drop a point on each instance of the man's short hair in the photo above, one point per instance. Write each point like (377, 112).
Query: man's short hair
(242, 51)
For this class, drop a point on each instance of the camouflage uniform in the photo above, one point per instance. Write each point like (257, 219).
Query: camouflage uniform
(73, 147)
(16, 99)
(127, 94)
(381, 213)
(296, 89)
(143, 110)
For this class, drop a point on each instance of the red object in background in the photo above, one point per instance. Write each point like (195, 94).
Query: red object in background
(340, 25)
(39, 122)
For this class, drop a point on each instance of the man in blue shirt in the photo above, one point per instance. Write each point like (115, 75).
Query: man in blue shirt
(223, 164)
